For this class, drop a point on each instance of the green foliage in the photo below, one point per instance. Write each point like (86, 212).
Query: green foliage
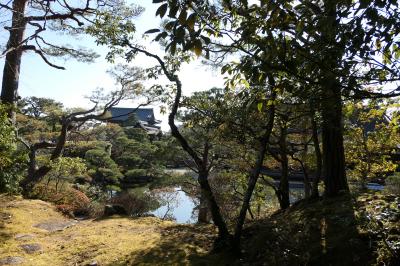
(393, 184)
(371, 136)
(12, 159)
(65, 169)
(40, 107)
(102, 169)
(79, 148)
(132, 176)
(131, 121)
(109, 26)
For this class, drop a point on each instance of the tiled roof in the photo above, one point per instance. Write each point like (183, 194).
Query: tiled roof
(120, 114)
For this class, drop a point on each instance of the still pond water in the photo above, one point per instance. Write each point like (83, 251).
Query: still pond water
(182, 207)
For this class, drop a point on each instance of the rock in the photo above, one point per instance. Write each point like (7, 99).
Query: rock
(31, 248)
(11, 260)
(147, 215)
(24, 236)
(93, 263)
(53, 226)
(5, 216)
(110, 210)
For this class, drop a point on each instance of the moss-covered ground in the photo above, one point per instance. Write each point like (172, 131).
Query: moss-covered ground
(346, 230)
(112, 241)
(362, 229)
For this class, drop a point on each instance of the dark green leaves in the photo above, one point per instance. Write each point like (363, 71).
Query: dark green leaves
(152, 31)
(182, 16)
(162, 10)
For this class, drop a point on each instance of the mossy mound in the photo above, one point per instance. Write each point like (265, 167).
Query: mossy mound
(111, 241)
(346, 230)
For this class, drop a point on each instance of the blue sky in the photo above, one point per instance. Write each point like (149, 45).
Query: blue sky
(79, 79)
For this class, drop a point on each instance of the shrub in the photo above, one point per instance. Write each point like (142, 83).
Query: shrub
(102, 168)
(135, 204)
(79, 149)
(66, 209)
(135, 176)
(69, 201)
(393, 184)
(12, 160)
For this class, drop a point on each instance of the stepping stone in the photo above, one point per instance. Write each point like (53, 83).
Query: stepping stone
(53, 226)
(31, 248)
(11, 260)
(24, 236)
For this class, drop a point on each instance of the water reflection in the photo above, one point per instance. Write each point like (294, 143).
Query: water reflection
(176, 205)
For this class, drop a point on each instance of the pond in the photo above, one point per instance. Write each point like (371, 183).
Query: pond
(180, 207)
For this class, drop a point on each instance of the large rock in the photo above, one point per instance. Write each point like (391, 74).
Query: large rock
(55, 225)
(31, 248)
(115, 209)
(24, 236)
(11, 260)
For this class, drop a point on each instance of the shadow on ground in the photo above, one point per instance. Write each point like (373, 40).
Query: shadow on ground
(5, 218)
(180, 245)
(320, 233)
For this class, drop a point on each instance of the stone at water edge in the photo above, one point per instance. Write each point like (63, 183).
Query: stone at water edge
(31, 248)
(11, 260)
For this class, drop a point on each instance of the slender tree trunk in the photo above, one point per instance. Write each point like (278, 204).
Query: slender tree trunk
(203, 209)
(307, 185)
(32, 162)
(253, 177)
(12, 65)
(213, 206)
(203, 171)
(284, 182)
(318, 157)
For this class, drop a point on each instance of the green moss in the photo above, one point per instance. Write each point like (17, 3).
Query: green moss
(337, 231)
(113, 241)
(346, 230)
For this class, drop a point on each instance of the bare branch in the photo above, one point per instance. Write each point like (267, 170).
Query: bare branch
(39, 52)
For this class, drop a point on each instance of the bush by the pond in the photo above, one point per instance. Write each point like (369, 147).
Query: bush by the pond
(68, 200)
(135, 176)
(135, 204)
(393, 184)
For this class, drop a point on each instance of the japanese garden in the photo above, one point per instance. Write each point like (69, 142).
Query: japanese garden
(200, 132)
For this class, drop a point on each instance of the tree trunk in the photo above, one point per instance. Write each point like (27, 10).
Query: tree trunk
(253, 177)
(318, 157)
(218, 220)
(203, 209)
(332, 127)
(307, 185)
(12, 65)
(332, 141)
(284, 182)
(35, 175)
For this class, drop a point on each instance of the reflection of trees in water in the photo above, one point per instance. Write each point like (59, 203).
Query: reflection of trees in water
(167, 197)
